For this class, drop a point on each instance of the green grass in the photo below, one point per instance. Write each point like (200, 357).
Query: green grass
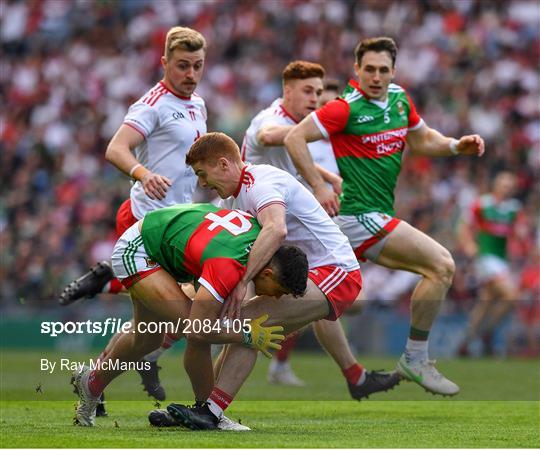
(498, 407)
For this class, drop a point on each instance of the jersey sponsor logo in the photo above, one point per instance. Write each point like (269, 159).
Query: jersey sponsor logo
(364, 119)
(384, 136)
(390, 147)
(178, 115)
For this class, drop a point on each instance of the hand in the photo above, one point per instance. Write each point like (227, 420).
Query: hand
(471, 145)
(328, 200)
(155, 186)
(233, 304)
(336, 182)
(263, 338)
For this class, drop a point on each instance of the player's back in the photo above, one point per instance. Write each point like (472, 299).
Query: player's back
(170, 124)
(183, 237)
(308, 226)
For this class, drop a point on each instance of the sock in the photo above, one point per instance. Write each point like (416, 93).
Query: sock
(416, 349)
(355, 374)
(278, 366)
(286, 347)
(154, 356)
(112, 287)
(168, 341)
(96, 386)
(218, 402)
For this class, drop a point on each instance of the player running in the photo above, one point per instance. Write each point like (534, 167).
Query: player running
(484, 236)
(155, 136)
(288, 213)
(184, 243)
(369, 127)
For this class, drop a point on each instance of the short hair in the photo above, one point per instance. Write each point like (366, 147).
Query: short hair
(290, 266)
(301, 70)
(376, 44)
(331, 84)
(185, 39)
(212, 146)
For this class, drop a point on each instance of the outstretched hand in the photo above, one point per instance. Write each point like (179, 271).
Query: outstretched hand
(471, 145)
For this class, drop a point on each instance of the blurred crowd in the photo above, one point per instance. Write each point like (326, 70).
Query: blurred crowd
(70, 69)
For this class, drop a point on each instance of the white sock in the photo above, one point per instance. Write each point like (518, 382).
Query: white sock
(416, 349)
(215, 408)
(276, 365)
(362, 378)
(154, 356)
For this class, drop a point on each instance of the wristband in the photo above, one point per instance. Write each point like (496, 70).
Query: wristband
(453, 147)
(247, 338)
(138, 171)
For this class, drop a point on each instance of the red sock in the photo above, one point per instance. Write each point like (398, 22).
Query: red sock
(168, 341)
(113, 287)
(353, 373)
(96, 386)
(286, 347)
(220, 398)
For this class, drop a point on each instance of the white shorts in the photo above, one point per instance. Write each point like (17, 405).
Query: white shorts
(488, 267)
(367, 232)
(130, 262)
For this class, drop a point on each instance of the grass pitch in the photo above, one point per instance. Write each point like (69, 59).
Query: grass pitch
(498, 407)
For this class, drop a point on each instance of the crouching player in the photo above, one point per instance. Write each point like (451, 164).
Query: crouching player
(179, 244)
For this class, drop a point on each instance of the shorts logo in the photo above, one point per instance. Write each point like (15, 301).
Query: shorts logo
(150, 263)
(383, 216)
(314, 272)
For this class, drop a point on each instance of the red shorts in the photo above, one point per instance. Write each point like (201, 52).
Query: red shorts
(124, 218)
(340, 287)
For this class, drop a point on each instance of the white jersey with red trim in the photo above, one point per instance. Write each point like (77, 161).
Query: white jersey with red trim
(170, 124)
(277, 156)
(308, 225)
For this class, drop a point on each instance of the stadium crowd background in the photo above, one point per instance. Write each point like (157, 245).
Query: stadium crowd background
(70, 69)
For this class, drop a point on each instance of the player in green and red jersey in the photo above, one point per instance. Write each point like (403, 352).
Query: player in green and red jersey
(484, 236)
(369, 127)
(184, 243)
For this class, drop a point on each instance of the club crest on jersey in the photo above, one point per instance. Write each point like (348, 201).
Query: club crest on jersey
(401, 111)
(150, 263)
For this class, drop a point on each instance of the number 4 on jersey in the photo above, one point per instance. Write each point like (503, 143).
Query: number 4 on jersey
(227, 223)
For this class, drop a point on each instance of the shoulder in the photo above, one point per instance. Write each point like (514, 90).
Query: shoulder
(153, 96)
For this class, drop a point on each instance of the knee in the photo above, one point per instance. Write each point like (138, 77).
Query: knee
(444, 268)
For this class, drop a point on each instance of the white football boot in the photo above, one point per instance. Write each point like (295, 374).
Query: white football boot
(227, 424)
(423, 372)
(85, 414)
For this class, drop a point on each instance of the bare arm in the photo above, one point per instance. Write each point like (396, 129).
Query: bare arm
(334, 179)
(273, 135)
(120, 153)
(272, 235)
(296, 144)
(429, 142)
(466, 239)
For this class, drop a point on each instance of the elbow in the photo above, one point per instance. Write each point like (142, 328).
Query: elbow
(289, 138)
(280, 234)
(109, 154)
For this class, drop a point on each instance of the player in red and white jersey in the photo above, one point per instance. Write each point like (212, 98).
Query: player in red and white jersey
(287, 212)
(263, 142)
(150, 146)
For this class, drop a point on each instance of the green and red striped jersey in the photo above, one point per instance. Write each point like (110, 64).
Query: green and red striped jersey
(494, 222)
(201, 240)
(368, 138)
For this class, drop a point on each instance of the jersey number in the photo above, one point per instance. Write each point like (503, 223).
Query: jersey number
(226, 222)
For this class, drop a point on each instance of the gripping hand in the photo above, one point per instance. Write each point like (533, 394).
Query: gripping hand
(262, 338)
